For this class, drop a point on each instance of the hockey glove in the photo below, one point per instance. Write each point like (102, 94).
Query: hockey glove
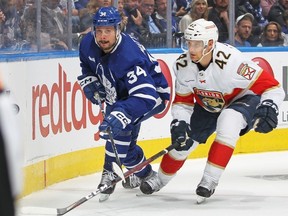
(178, 131)
(91, 86)
(115, 122)
(265, 118)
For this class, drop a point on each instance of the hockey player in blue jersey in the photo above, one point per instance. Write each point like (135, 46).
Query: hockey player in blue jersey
(130, 82)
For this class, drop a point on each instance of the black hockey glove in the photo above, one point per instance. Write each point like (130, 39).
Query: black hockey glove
(265, 118)
(178, 131)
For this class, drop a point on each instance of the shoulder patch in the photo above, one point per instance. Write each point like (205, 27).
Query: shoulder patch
(246, 71)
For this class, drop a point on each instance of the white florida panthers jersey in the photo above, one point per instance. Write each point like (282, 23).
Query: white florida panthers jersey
(229, 76)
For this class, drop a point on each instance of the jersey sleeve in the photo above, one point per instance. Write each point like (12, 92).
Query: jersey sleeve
(183, 103)
(142, 79)
(251, 78)
(83, 55)
(269, 88)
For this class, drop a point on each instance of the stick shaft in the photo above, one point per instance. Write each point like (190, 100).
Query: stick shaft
(97, 97)
(62, 211)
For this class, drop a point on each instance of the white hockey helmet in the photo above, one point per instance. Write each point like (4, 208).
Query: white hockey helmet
(202, 30)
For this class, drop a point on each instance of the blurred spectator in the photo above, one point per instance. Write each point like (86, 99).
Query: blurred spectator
(80, 4)
(53, 26)
(199, 9)
(104, 3)
(20, 6)
(11, 38)
(123, 15)
(272, 36)
(2, 16)
(211, 3)
(86, 14)
(160, 18)
(120, 6)
(180, 8)
(75, 14)
(143, 27)
(253, 7)
(147, 9)
(285, 17)
(243, 29)
(266, 5)
(219, 15)
(131, 10)
(278, 13)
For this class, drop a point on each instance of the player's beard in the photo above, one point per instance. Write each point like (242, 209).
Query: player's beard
(106, 46)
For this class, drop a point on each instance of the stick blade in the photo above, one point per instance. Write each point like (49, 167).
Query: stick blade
(103, 197)
(39, 211)
(200, 200)
(118, 170)
(61, 211)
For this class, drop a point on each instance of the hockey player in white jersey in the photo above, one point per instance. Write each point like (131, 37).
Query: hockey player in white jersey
(218, 90)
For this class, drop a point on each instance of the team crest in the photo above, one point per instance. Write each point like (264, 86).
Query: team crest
(212, 101)
(246, 71)
(110, 90)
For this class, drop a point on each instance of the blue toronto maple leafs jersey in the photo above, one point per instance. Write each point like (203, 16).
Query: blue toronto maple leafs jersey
(132, 78)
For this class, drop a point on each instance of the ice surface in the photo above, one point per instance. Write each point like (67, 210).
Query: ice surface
(252, 184)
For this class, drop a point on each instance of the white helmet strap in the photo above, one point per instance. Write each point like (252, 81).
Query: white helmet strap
(203, 52)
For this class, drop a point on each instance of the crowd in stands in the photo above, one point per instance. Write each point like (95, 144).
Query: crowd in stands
(257, 22)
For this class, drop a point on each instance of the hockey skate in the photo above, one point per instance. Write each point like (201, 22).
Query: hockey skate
(131, 182)
(205, 190)
(107, 178)
(151, 183)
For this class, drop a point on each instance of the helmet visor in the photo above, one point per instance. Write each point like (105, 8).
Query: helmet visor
(192, 45)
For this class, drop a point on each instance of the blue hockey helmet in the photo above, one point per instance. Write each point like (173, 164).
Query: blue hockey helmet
(107, 16)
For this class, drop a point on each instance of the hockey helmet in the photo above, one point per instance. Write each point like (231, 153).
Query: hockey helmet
(107, 16)
(202, 30)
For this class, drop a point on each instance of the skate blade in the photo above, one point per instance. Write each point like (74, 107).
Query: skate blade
(200, 199)
(104, 197)
(140, 194)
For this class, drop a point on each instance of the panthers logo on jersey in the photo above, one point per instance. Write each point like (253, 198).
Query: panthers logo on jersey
(212, 101)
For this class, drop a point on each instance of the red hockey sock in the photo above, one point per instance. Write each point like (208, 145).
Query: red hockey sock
(220, 154)
(169, 165)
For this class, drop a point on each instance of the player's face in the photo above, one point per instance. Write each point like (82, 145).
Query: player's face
(106, 37)
(195, 48)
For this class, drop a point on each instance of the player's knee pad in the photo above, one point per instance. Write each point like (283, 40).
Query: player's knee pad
(229, 125)
(247, 106)
(134, 156)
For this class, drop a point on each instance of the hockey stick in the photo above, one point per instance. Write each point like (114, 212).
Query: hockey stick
(97, 97)
(62, 211)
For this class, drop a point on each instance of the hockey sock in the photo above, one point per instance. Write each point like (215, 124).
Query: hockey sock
(168, 168)
(220, 154)
(218, 158)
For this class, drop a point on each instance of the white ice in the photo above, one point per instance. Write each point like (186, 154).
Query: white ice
(252, 184)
